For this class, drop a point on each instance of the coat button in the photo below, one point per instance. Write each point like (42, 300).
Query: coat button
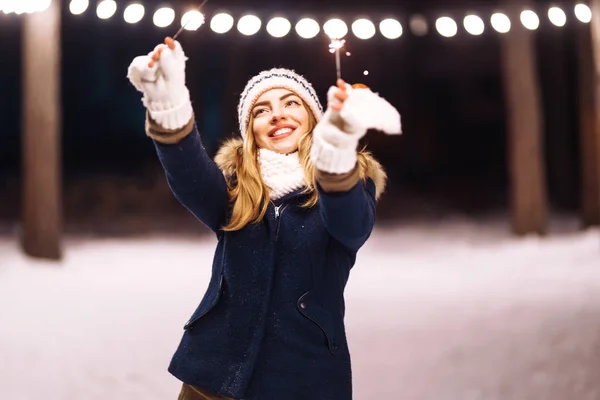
(303, 305)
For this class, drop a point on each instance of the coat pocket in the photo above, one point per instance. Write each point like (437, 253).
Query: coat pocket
(321, 317)
(211, 298)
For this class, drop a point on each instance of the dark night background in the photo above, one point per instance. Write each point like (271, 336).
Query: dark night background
(451, 157)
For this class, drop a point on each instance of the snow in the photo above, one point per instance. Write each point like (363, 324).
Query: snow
(452, 310)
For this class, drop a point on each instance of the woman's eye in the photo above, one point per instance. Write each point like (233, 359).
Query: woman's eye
(293, 103)
(259, 111)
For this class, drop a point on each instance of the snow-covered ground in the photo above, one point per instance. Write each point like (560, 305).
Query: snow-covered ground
(446, 311)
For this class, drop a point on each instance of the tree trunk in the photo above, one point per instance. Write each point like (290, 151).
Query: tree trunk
(562, 177)
(41, 203)
(589, 100)
(529, 204)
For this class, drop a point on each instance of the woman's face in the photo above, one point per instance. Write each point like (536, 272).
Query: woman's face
(279, 121)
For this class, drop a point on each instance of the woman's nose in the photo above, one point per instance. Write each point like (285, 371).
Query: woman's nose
(277, 115)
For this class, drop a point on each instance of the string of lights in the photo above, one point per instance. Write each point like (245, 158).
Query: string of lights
(307, 28)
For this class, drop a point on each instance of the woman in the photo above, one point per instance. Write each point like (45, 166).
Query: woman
(291, 203)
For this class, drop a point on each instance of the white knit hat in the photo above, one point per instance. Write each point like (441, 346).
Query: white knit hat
(276, 78)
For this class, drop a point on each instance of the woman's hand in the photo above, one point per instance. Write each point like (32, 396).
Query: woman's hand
(356, 109)
(160, 76)
(351, 112)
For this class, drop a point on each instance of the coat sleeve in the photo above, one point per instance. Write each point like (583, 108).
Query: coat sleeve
(347, 207)
(194, 178)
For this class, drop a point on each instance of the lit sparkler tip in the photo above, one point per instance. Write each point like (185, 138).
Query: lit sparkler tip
(337, 43)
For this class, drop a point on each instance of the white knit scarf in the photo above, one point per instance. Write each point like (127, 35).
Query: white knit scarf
(282, 173)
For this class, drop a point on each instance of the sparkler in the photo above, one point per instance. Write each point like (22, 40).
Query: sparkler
(336, 29)
(170, 41)
(188, 21)
(334, 47)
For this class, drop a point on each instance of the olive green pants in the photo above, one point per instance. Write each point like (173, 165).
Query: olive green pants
(193, 393)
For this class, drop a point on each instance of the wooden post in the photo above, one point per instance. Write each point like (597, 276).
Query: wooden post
(41, 203)
(529, 204)
(589, 102)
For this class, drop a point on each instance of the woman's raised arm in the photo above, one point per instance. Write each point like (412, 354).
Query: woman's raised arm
(193, 176)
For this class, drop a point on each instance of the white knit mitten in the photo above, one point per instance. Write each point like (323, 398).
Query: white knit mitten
(336, 136)
(165, 94)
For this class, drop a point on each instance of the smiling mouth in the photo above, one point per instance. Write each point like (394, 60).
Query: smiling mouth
(281, 133)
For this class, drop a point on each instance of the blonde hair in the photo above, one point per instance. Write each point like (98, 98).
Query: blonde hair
(247, 191)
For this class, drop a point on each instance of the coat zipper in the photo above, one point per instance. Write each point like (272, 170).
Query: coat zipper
(278, 212)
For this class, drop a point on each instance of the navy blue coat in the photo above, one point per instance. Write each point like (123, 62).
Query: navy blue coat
(271, 323)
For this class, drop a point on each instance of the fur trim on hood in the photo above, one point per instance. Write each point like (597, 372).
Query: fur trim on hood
(368, 165)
